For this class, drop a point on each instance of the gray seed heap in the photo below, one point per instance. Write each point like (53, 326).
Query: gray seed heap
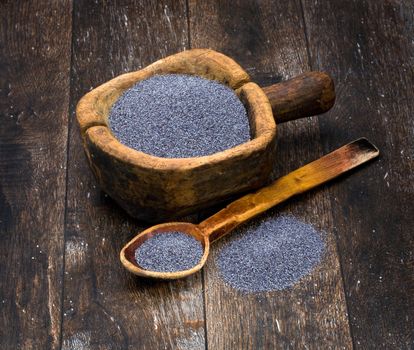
(179, 116)
(169, 252)
(272, 254)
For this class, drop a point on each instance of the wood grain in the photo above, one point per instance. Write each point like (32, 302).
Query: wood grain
(310, 93)
(104, 306)
(267, 39)
(367, 46)
(34, 98)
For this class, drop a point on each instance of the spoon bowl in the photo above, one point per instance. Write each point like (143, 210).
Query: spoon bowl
(127, 254)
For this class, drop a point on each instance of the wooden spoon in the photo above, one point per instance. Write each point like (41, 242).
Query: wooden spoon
(303, 179)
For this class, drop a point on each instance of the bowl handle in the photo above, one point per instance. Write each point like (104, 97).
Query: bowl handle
(307, 94)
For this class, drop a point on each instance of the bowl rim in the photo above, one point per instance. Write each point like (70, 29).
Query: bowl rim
(94, 126)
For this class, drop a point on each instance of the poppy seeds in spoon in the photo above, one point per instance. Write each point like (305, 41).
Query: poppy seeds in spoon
(179, 116)
(272, 254)
(169, 252)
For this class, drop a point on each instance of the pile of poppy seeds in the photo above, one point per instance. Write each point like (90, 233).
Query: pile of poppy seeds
(270, 254)
(179, 116)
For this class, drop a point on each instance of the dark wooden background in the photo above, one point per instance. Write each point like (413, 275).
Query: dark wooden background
(61, 283)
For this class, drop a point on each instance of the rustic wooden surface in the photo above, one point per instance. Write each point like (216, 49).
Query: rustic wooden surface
(370, 55)
(34, 98)
(104, 306)
(314, 312)
(62, 285)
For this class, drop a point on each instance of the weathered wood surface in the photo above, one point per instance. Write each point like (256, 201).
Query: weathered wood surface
(104, 306)
(365, 45)
(267, 38)
(368, 47)
(34, 98)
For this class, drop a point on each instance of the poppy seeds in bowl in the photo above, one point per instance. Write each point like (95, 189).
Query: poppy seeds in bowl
(179, 116)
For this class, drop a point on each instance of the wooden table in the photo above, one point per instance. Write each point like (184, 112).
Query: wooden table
(61, 283)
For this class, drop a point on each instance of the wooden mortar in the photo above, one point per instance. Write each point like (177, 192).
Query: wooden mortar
(156, 189)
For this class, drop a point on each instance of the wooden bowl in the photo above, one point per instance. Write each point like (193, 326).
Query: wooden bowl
(156, 189)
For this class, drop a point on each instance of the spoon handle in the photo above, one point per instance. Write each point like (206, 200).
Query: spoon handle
(301, 180)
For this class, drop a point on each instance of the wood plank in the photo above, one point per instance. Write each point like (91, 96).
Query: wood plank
(34, 99)
(368, 47)
(105, 306)
(267, 39)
